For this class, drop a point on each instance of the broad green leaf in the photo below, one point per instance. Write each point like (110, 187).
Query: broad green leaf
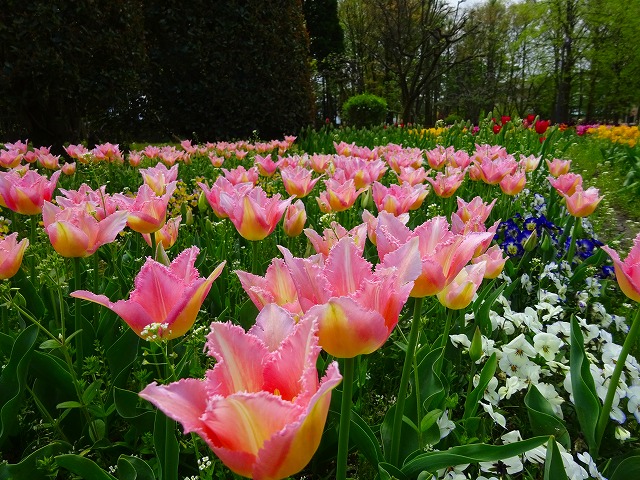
(542, 418)
(166, 446)
(582, 270)
(13, 381)
(474, 397)
(28, 466)
(433, 461)
(389, 472)
(69, 404)
(553, 466)
(49, 344)
(122, 355)
(83, 467)
(35, 305)
(482, 307)
(584, 391)
(627, 469)
(134, 468)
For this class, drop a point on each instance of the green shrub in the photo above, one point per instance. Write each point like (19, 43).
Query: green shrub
(365, 110)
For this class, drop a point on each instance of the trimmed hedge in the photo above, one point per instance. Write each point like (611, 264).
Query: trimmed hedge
(365, 110)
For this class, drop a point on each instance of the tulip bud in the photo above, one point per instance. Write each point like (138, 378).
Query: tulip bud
(203, 204)
(531, 242)
(475, 350)
(188, 216)
(546, 243)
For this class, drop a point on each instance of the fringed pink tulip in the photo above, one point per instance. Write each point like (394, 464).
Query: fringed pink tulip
(159, 177)
(529, 163)
(241, 175)
(25, 192)
(266, 166)
(298, 181)
(362, 172)
(75, 232)
(101, 203)
(254, 214)
(372, 223)
(495, 261)
(147, 211)
(357, 309)
(583, 202)
(338, 196)
(10, 158)
(220, 186)
(492, 171)
(69, 168)
(167, 235)
(11, 253)
(165, 301)
(627, 272)
(275, 287)
(567, 183)
(134, 158)
(459, 293)
(446, 184)
(330, 237)
(514, 183)
(294, 219)
(412, 176)
(558, 167)
(262, 408)
(439, 156)
(475, 208)
(398, 199)
(78, 152)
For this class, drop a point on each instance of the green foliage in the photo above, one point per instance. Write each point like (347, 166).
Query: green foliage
(365, 110)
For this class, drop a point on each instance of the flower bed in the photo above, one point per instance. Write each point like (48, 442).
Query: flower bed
(391, 302)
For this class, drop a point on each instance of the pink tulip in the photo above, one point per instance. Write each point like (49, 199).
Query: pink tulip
(558, 167)
(583, 202)
(216, 161)
(169, 155)
(46, 159)
(298, 181)
(529, 163)
(398, 158)
(443, 254)
(165, 301)
(363, 172)
(102, 204)
(447, 183)
(147, 211)
(10, 158)
(330, 237)
(372, 223)
(241, 175)
(108, 152)
(151, 152)
(514, 183)
(19, 146)
(254, 214)
(262, 408)
(134, 158)
(75, 232)
(266, 166)
(439, 156)
(188, 147)
(320, 163)
(167, 235)
(294, 219)
(159, 177)
(476, 207)
(627, 272)
(494, 259)
(25, 192)
(357, 308)
(275, 287)
(398, 199)
(412, 176)
(567, 183)
(338, 196)
(492, 171)
(460, 159)
(220, 186)
(11, 253)
(69, 168)
(459, 293)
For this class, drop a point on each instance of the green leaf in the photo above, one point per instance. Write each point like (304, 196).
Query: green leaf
(553, 466)
(28, 466)
(69, 404)
(433, 461)
(627, 469)
(482, 307)
(83, 467)
(13, 381)
(474, 397)
(134, 468)
(542, 418)
(166, 446)
(389, 472)
(50, 344)
(581, 271)
(97, 430)
(35, 306)
(584, 391)
(53, 372)
(121, 356)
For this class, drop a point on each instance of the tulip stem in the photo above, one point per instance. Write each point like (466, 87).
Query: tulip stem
(345, 418)
(32, 241)
(152, 235)
(603, 419)
(575, 231)
(255, 261)
(396, 432)
(77, 272)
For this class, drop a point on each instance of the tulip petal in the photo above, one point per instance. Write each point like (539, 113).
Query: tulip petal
(273, 325)
(239, 356)
(345, 268)
(346, 329)
(287, 452)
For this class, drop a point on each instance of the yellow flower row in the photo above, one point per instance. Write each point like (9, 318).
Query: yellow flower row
(623, 134)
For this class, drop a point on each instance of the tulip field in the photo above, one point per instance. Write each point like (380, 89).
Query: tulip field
(392, 303)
